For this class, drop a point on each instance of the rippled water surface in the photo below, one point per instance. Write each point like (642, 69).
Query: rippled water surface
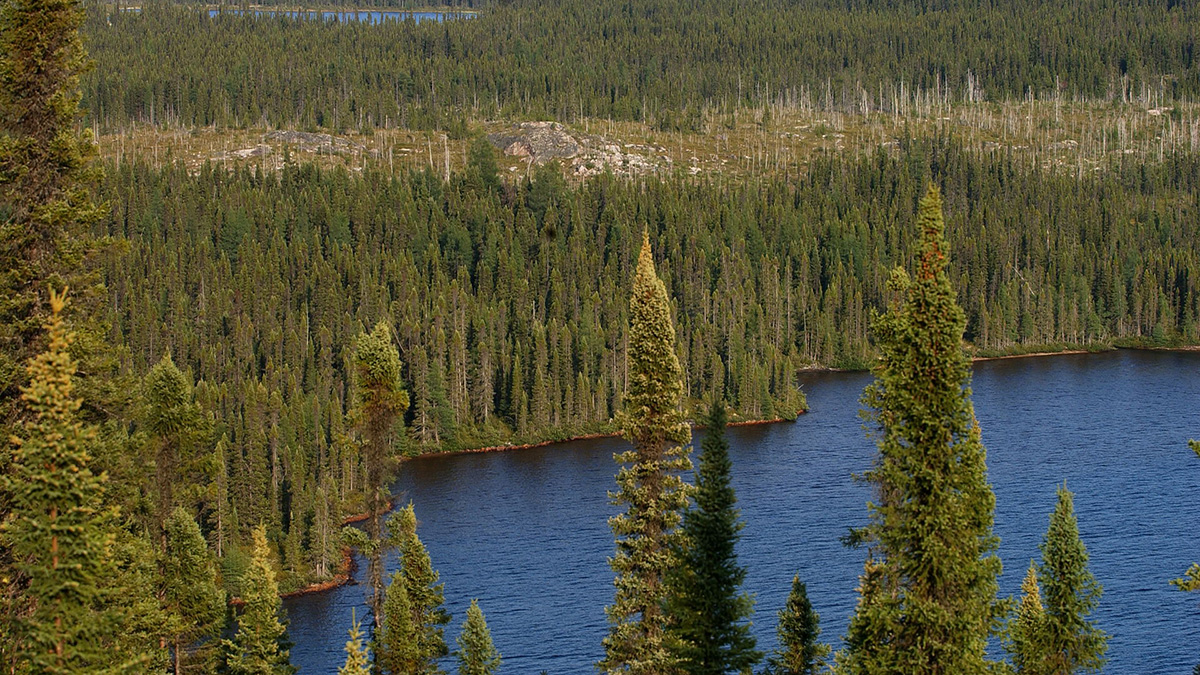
(525, 532)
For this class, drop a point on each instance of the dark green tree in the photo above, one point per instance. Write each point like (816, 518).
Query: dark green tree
(59, 533)
(1073, 643)
(358, 659)
(712, 636)
(381, 402)
(928, 592)
(799, 629)
(194, 602)
(398, 642)
(1027, 630)
(648, 482)
(1190, 581)
(257, 647)
(476, 653)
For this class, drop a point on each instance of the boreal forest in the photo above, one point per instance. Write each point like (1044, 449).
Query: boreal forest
(253, 259)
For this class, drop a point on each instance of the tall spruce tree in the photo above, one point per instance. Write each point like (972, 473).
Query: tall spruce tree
(476, 653)
(381, 402)
(422, 590)
(358, 660)
(712, 636)
(1027, 630)
(648, 482)
(398, 641)
(799, 630)
(1073, 643)
(258, 646)
(60, 535)
(194, 602)
(928, 592)
(176, 425)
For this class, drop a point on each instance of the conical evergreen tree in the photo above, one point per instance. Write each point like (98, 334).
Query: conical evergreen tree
(58, 532)
(1073, 643)
(928, 594)
(710, 612)
(799, 629)
(421, 589)
(1191, 579)
(176, 424)
(194, 603)
(648, 483)
(476, 653)
(1027, 632)
(398, 645)
(381, 402)
(257, 648)
(358, 660)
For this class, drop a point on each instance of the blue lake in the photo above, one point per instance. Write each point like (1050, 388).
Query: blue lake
(525, 532)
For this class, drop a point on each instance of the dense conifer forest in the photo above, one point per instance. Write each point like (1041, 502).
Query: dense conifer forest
(248, 354)
(660, 61)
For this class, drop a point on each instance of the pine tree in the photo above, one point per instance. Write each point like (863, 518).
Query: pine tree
(1073, 643)
(45, 172)
(358, 660)
(421, 589)
(195, 604)
(712, 636)
(648, 483)
(257, 648)
(799, 629)
(398, 645)
(1190, 581)
(60, 535)
(928, 594)
(381, 402)
(476, 653)
(1027, 631)
(176, 424)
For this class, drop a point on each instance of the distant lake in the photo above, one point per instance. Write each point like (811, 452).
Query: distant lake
(373, 16)
(526, 531)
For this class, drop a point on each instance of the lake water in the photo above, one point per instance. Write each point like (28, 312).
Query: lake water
(525, 532)
(370, 16)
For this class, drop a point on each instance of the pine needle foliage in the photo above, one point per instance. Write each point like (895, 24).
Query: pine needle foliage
(711, 631)
(1027, 631)
(927, 601)
(1073, 643)
(419, 641)
(257, 648)
(398, 642)
(476, 653)
(358, 660)
(58, 532)
(648, 483)
(800, 652)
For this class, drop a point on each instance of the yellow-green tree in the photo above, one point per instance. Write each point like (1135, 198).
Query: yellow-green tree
(928, 591)
(648, 482)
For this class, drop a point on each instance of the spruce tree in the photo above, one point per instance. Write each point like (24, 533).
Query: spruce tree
(476, 653)
(1027, 631)
(194, 603)
(176, 424)
(398, 641)
(381, 402)
(1073, 643)
(358, 660)
(422, 590)
(60, 535)
(799, 629)
(648, 482)
(711, 629)
(1190, 581)
(928, 592)
(46, 169)
(257, 647)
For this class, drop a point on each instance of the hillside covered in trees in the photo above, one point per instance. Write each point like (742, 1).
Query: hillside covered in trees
(661, 61)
